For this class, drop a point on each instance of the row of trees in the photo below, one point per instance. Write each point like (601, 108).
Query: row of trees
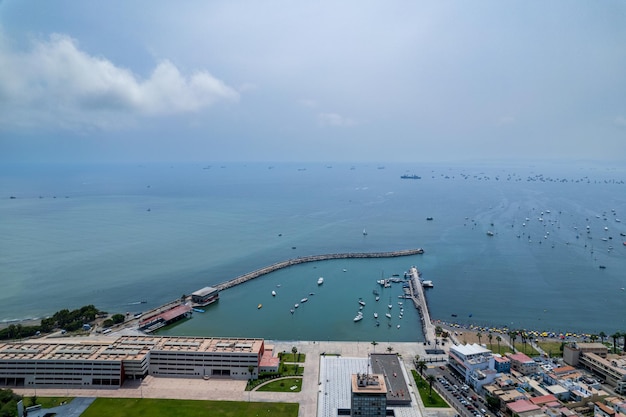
(63, 319)
(526, 337)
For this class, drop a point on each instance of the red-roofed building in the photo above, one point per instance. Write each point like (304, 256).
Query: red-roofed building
(520, 407)
(522, 364)
(543, 400)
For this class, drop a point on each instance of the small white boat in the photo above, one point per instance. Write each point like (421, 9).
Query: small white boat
(292, 310)
(345, 270)
(389, 306)
(296, 305)
(364, 232)
(362, 303)
(388, 315)
(375, 315)
(320, 280)
(273, 293)
(377, 298)
(359, 316)
(304, 300)
(398, 326)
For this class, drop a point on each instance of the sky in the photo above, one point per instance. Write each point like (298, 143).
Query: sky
(395, 81)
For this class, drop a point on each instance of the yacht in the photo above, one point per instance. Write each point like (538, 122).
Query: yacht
(320, 280)
(375, 315)
(304, 300)
(358, 317)
(362, 303)
(388, 315)
(273, 293)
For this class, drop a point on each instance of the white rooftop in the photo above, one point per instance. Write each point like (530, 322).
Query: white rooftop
(473, 349)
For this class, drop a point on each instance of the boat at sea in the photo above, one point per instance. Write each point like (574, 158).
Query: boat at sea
(259, 306)
(296, 305)
(375, 315)
(378, 298)
(489, 233)
(320, 280)
(364, 232)
(427, 284)
(388, 315)
(411, 177)
(197, 310)
(358, 317)
(304, 300)
(292, 311)
(362, 303)
(273, 293)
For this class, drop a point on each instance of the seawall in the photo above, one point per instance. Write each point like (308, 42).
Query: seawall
(314, 258)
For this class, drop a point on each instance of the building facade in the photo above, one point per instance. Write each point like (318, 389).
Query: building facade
(108, 364)
(369, 396)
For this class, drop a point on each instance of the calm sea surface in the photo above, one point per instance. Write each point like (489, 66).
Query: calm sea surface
(129, 237)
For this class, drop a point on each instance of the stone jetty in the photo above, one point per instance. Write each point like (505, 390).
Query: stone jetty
(314, 258)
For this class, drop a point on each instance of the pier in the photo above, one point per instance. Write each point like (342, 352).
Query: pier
(314, 258)
(419, 300)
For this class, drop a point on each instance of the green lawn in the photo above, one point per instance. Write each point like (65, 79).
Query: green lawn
(551, 348)
(47, 402)
(290, 357)
(430, 399)
(283, 385)
(123, 407)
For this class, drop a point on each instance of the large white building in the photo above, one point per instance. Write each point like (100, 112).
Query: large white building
(109, 363)
(474, 362)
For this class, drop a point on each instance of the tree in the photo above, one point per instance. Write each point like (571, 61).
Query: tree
(374, 343)
(498, 339)
(389, 349)
(251, 370)
(416, 359)
(479, 335)
(513, 336)
(593, 337)
(615, 336)
(602, 336)
(490, 337)
(421, 366)
(294, 350)
(431, 379)
(524, 337)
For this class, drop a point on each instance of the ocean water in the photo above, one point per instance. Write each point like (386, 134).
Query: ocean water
(129, 237)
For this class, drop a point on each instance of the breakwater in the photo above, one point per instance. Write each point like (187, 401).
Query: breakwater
(313, 258)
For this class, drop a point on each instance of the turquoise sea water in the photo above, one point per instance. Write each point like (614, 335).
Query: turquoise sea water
(115, 236)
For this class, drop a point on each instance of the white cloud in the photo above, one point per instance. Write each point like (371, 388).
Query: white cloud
(334, 119)
(620, 121)
(57, 83)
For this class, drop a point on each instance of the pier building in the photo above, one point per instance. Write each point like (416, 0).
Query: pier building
(205, 296)
(107, 364)
(164, 316)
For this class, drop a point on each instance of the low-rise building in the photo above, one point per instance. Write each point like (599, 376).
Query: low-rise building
(595, 358)
(522, 364)
(473, 363)
(108, 363)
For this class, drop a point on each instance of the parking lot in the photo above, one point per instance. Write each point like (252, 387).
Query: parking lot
(459, 395)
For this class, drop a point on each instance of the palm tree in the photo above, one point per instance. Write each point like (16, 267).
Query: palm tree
(421, 366)
(374, 343)
(479, 335)
(524, 337)
(602, 336)
(498, 339)
(430, 378)
(389, 349)
(513, 336)
(416, 359)
(251, 370)
(615, 336)
(593, 337)
(294, 350)
(490, 337)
